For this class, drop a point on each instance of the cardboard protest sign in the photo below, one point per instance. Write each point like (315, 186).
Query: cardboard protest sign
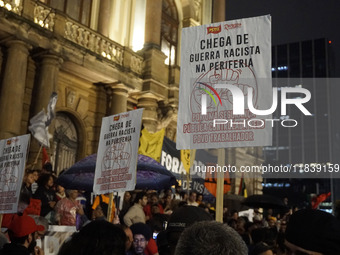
(118, 152)
(225, 78)
(13, 153)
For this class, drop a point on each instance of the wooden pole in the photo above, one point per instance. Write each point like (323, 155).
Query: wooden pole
(220, 186)
(109, 209)
(36, 158)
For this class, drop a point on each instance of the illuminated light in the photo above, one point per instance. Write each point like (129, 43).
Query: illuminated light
(104, 54)
(108, 56)
(8, 7)
(41, 23)
(2, 4)
(329, 42)
(273, 69)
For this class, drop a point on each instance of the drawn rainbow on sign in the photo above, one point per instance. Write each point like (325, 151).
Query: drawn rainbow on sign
(213, 90)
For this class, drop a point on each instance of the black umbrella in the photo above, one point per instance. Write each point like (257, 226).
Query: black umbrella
(264, 201)
(234, 202)
(150, 174)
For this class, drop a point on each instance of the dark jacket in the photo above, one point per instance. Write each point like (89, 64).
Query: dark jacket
(14, 249)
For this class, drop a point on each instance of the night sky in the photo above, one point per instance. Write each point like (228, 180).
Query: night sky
(295, 20)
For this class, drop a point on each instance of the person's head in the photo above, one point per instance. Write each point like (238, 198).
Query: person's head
(184, 195)
(47, 168)
(127, 196)
(36, 173)
(210, 237)
(154, 198)
(129, 236)
(24, 231)
(313, 231)
(199, 198)
(155, 209)
(46, 180)
(60, 189)
(96, 237)
(141, 235)
(141, 198)
(72, 193)
(29, 178)
(192, 196)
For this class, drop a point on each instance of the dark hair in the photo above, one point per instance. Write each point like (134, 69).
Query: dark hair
(97, 237)
(139, 195)
(48, 167)
(210, 237)
(43, 179)
(17, 240)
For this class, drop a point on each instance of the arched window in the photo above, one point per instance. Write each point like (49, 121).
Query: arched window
(65, 142)
(79, 10)
(169, 31)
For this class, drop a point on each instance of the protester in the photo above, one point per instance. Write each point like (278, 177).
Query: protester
(22, 232)
(36, 174)
(141, 236)
(103, 201)
(210, 237)
(313, 232)
(192, 198)
(127, 203)
(136, 213)
(46, 194)
(26, 191)
(68, 208)
(60, 194)
(154, 201)
(96, 237)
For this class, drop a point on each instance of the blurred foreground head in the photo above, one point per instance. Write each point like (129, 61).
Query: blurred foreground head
(311, 231)
(210, 237)
(97, 237)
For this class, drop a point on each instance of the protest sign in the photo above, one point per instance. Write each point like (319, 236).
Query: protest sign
(225, 80)
(118, 152)
(13, 153)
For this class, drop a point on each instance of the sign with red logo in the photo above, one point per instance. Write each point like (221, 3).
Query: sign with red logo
(214, 30)
(225, 75)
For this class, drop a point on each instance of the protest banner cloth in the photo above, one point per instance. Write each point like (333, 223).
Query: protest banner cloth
(118, 152)
(13, 153)
(225, 75)
(40, 122)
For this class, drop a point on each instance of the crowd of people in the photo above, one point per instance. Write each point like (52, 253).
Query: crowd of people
(153, 222)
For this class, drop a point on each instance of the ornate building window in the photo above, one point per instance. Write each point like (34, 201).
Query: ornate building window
(79, 10)
(169, 31)
(65, 143)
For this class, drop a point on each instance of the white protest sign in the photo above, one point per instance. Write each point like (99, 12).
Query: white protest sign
(13, 153)
(118, 152)
(221, 64)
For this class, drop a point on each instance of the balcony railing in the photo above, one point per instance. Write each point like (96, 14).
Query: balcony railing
(75, 32)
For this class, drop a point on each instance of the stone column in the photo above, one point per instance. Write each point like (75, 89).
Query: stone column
(47, 81)
(219, 10)
(13, 89)
(153, 21)
(104, 17)
(148, 101)
(118, 98)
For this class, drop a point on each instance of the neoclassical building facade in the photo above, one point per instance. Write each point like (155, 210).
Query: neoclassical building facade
(102, 57)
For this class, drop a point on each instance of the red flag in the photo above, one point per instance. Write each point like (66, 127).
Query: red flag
(45, 157)
(320, 198)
